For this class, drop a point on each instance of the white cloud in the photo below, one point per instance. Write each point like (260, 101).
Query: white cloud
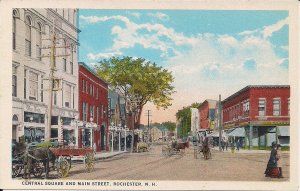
(269, 30)
(160, 16)
(135, 14)
(105, 55)
(204, 65)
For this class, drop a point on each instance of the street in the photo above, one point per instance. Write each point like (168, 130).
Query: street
(224, 166)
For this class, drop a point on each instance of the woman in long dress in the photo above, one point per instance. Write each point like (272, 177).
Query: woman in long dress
(272, 163)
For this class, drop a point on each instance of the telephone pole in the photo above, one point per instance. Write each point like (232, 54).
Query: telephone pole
(148, 114)
(220, 122)
(53, 81)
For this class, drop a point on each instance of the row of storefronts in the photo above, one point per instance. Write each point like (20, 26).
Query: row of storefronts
(256, 116)
(82, 104)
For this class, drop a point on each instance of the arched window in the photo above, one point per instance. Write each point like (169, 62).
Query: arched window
(65, 53)
(15, 16)
(28, 24)
(72, 59)
(39, 41)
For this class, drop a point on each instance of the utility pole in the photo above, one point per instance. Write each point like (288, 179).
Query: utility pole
(220, 122)
(53, 81)
(148, 114)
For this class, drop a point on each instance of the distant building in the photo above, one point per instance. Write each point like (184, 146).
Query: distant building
(258, 115)
(207, 114)
(93, 107)
(194, 120)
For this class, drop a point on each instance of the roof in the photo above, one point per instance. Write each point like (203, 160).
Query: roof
(211, 103)
(251, 87)
(92, 71)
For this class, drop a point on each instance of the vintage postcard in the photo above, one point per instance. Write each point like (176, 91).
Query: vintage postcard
(149, 95)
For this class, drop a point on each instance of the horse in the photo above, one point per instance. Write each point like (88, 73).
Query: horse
(182, 146)
(33, 156)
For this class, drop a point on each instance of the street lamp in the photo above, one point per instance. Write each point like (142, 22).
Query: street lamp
(119, 129)
(75, 123)
(91, 125)
(125, 129)
(112, 129)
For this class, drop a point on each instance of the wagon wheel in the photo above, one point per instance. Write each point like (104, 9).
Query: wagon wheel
(16, 170)
(165, 151)
(89, 161)
(37, 169)
(63, 167)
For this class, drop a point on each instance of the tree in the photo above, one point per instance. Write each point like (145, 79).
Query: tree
(138, 81)
(184, 117)
(169, 125)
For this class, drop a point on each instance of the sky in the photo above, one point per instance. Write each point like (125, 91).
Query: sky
(209, 52)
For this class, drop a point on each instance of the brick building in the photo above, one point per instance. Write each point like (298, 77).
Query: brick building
(258, 115)
(93, 108)
(207, 114)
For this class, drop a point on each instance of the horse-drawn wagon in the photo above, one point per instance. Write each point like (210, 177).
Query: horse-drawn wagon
(36, 160)
(174, 148)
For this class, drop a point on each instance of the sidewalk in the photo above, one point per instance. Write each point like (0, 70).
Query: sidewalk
(246, 150)
(106, 155)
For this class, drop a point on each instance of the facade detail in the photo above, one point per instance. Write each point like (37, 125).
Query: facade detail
(93, 108)
(31, 67)
(258, 115)
(207, 114)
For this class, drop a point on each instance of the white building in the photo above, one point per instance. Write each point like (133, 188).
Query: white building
(31, 28)
(194, 120)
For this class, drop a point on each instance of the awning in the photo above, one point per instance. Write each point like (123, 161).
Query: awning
(214, 134)
(283, 130)
(238, 132)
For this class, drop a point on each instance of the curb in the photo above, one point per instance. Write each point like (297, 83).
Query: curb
(109, 156)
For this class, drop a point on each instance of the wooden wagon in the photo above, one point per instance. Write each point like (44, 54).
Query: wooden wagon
(65, 154)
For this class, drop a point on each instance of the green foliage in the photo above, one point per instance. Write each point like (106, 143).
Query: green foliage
(184, 117)
(169, 125)
(139, 81)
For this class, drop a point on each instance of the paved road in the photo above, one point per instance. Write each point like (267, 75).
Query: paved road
(153, 166)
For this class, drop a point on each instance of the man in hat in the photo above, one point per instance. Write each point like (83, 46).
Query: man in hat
(272, 160)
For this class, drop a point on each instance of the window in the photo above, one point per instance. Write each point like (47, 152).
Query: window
(71, 68)
(84, 116)
(289, 106)
(14, 81)
(27, 36)
(83, 87)
(33, 86)
(97, 92)
(246, 108)
(25, 85)
(91, 90)
(39, 42)
(15, 14)
(55, 97)
(73, 98)
(91, 111)
(276, 107)
(262, 107)
(67, 94)
(65, 64)
(86, 87)
(42, 91)
(97, 114)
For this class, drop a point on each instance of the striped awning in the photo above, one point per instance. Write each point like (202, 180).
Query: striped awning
(283, 130)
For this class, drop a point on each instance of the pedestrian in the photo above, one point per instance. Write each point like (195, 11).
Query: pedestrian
(238, 145)
(222, 144)
(272, 163)
(226, 144)
(278, 157)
